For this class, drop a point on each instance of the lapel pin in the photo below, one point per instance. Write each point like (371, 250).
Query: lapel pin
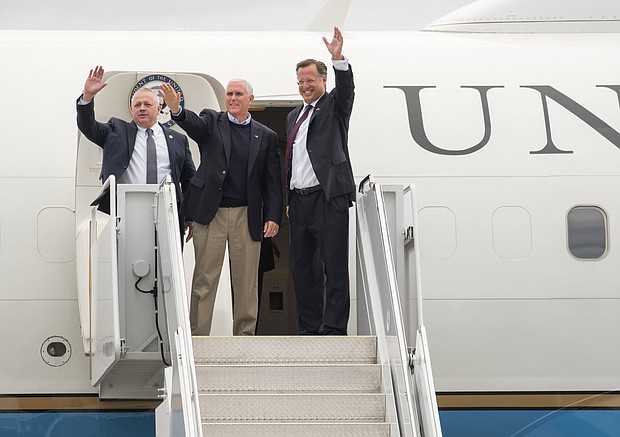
(255, 136)
(170, 136)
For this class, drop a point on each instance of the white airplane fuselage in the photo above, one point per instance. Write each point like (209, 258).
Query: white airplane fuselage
(502, 134)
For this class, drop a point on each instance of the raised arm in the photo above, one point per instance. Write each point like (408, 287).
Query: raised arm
(93, 84)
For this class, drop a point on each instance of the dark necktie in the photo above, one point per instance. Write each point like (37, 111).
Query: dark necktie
(289, 145)
(151, 158)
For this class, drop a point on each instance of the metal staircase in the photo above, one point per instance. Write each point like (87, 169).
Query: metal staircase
(290, 386)
(373, 385)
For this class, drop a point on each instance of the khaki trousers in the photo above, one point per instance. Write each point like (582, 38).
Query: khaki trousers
(230, 225)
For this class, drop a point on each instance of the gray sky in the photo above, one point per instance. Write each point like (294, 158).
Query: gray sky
(221, 14)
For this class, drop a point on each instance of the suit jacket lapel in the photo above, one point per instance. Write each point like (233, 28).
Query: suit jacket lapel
(255, 139)
(292, 119)
(171, 155)
(317, 107)
(132, 131)
(224, 127)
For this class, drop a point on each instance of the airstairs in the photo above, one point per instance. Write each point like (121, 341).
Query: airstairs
(136, 327)
(290, 386)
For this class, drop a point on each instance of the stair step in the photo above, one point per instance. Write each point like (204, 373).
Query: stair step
(289, 407)
(284, 349)
(137, 375)
(354, 378)
(307, 429)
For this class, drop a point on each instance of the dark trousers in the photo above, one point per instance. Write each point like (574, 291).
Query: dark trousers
(319, 256)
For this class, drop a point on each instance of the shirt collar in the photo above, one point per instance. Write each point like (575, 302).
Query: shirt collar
(243, 123)
(156, 129)
(313, 103)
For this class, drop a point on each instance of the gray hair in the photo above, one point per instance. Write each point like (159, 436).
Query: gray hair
(248, 86)
(146, 90)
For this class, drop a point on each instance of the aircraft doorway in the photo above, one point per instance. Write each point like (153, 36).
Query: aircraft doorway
(278, 307)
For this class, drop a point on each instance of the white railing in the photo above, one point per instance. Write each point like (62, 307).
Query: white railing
(422, 369)
(409, 373)
(105, 347)
(179, 414)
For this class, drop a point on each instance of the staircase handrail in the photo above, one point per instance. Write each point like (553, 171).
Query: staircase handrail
(182, 383)
(421, 364)
(407, 414)
(414, 392)
(100, 363)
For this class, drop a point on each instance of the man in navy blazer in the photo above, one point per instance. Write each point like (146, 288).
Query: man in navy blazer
(321, 189)
(235, 198)
(124, 144)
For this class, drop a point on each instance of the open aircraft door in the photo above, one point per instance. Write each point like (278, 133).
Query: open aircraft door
(103, 257)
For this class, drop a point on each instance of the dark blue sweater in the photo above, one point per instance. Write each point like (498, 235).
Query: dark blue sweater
(236, 182)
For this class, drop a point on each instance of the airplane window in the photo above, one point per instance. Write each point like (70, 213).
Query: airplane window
(587, 232)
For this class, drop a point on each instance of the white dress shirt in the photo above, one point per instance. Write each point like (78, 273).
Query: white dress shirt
(136, 171)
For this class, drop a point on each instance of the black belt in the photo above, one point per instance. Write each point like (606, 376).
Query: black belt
(306, 191)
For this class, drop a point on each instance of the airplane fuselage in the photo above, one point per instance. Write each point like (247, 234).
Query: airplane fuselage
(503, 135)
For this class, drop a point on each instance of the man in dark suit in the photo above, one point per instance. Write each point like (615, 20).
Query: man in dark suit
(235, 198)
(125, 145)
(320, 191)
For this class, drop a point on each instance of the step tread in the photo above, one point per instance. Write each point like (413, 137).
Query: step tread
(304, 429)
(292, 407)
(289, 378)
(285, 349)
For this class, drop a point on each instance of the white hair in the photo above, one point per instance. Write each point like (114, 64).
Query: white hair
(146, 90)
(248, 86)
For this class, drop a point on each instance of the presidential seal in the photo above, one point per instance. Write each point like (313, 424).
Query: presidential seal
(153, 82)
